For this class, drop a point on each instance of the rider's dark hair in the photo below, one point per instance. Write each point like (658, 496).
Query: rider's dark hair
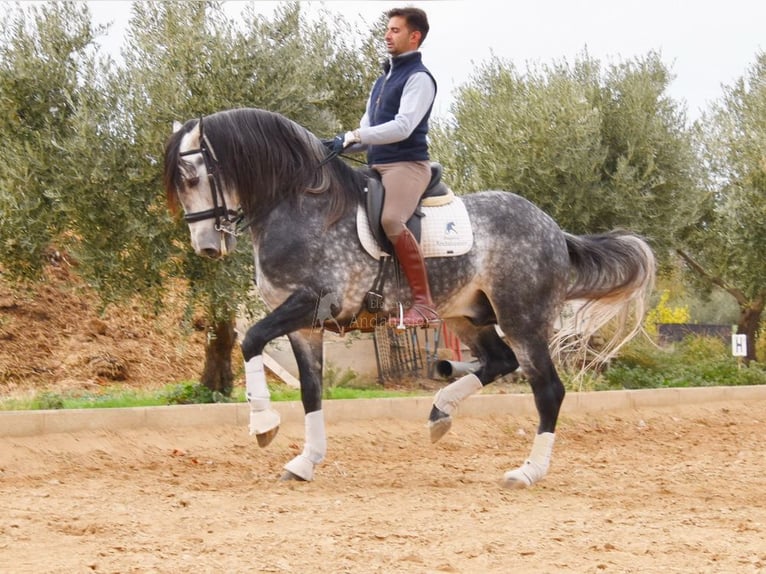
(416, 20)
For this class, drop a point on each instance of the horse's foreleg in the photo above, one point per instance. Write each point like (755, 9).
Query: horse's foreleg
(307, 347)
(549, 395)
(264, 421)
(314, 449)
(295, 313)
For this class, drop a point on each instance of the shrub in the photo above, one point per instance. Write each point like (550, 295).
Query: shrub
(694, 362)
(664, 313)
(49, 401)
(193, 393)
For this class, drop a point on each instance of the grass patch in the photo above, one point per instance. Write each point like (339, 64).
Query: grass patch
(111, 397)
(695, 362)
(337, 385)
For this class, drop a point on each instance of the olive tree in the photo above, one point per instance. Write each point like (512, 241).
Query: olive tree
(186, 60)
(726, 246)
(85, 138)
(596, 148)
(47, 76)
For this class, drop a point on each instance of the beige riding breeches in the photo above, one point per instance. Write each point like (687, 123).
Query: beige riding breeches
(405, 182)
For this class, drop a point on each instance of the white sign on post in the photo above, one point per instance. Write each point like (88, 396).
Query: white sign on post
(739, 345)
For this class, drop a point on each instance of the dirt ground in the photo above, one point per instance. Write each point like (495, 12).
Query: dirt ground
(661, 491)
(678, 490)
(55, 337)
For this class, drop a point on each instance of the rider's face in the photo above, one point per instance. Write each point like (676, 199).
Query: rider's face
(399, 38)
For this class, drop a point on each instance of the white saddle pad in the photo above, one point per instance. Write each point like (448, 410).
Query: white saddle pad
(445, 230)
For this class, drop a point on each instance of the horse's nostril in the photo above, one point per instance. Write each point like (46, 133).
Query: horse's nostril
(211, 253)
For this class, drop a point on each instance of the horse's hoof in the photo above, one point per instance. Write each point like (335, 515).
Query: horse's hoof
(299, 468)
(264, 425)
(513, 483)
(439, 427)
(289, 476)
(515, 479)
(439, 423)
(264, 439)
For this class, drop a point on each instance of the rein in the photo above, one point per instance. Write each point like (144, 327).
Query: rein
(227, 221)
(333, 154)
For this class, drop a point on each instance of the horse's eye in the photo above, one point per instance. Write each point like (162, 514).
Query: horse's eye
(192, 181)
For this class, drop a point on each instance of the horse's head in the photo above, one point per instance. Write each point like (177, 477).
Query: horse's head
(250, 161)
(211, 209)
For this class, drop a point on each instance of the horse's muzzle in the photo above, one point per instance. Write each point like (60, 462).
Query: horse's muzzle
(210, 253)
(212, 244)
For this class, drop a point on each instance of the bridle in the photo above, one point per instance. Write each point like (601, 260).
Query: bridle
(227, 221)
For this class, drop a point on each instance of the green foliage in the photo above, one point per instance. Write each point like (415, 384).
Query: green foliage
(715, 307)
(340, 384)
(596, 150)
(192, 394)
(45, 58)
(84, 137)
(116, 396)
(695, 362)
(179, 394)
(726, 245)
(49, 401)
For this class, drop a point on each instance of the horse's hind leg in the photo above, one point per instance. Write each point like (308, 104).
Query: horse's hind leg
(496, 359)
(549, 394)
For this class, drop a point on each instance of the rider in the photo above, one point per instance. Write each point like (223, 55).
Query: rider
(394, 130)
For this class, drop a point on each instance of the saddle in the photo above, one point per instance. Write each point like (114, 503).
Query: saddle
(376, 195)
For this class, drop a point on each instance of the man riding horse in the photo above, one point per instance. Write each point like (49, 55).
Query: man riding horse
(394, 132)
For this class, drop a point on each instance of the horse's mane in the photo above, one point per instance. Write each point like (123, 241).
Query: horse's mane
(268, 159)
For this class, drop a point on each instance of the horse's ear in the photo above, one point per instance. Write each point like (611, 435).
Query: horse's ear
(177, 126)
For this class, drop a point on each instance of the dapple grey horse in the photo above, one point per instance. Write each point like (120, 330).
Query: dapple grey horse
(301, 209)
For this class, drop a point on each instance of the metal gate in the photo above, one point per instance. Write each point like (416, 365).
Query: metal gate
(399, 354)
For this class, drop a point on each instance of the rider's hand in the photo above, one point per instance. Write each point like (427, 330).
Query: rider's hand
(350, 138)
(340, 142)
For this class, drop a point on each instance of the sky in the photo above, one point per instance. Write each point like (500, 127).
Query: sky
(705, 43)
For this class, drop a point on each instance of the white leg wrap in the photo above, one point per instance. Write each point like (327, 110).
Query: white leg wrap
(314, 450)
(262, 417)
(255, 384)
(316, 440)
(536, 466)
(448, 398)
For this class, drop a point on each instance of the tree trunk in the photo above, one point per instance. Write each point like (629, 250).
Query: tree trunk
(217, 374)
(749, 321)
(750, 310)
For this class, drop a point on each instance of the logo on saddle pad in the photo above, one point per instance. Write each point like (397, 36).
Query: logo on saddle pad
(445, 228)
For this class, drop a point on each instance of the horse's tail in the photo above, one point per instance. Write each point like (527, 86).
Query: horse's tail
(613, 274)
